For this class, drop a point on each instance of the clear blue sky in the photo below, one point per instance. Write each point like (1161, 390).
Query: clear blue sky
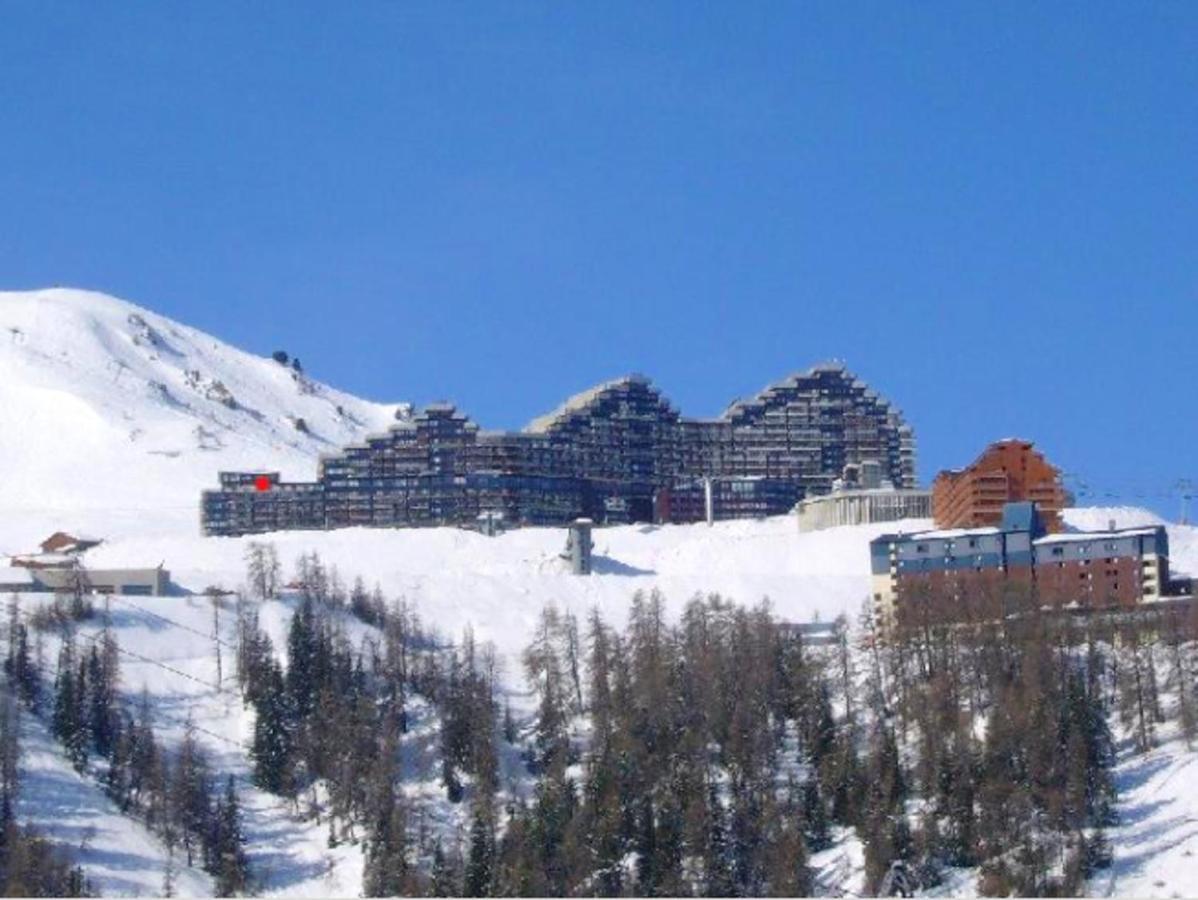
(987, 210)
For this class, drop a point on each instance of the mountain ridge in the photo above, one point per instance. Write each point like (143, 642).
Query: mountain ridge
(109, 407)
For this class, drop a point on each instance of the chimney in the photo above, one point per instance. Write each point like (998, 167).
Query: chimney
(1110, 525)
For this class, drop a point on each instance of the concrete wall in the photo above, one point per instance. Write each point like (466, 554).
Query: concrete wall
(862, 508)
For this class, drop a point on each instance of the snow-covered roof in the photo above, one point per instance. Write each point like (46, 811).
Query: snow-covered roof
(949, 533)
(851, 493)
(44, 560)
(1083, 536)
(17, 576)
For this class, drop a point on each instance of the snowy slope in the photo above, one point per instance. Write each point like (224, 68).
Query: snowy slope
(1156, 842)
(113, 418)
(499, 585)
(119, 856)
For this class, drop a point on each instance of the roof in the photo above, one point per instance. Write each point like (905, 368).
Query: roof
(60, 539)
(949, 533)
(19, 576)
(580, 401)
(867, 492)
(1082, 536)
(45, 561)
(1069, 537)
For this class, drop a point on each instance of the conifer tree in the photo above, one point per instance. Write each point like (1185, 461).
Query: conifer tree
(229, 863)
(480, 864)
(271, 746)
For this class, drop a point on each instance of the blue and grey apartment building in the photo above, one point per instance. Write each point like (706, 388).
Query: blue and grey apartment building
(972, 573)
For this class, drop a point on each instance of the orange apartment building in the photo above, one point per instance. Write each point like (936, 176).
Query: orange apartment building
(1008, 471)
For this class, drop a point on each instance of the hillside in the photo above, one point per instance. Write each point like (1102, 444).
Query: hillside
(112, 419)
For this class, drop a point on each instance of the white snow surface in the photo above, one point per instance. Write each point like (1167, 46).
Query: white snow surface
(1156, 842)
(113, 418)
(103, 430)
(119, 856)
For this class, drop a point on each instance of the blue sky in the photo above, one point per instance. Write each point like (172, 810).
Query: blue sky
(988, 211)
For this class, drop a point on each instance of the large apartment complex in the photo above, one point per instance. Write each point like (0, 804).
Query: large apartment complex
(1008, 471)
(619, 452)
(969, 573)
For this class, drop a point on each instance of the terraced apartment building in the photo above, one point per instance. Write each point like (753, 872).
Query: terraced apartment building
(1008, 471)
(616, 453)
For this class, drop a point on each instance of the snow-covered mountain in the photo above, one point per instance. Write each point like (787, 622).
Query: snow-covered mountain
(114, 418)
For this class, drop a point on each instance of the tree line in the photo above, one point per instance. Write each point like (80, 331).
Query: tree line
(174, 792)
(30, 865)
(715, 754)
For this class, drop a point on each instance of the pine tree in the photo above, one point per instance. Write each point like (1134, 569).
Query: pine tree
(190, 795)
(817, 828)
(69, 722)
(271, 746)
(544, 670)
(102, 710)
(229, 862)
(387, 871)
(302, 661)
(480, 864)
(717, 875)
(18, 665)
(10, 753)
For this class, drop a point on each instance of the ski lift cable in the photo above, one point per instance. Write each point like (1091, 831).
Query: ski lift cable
(172, 622)
(161, 665)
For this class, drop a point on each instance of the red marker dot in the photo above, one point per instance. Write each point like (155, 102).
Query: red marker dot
(262, 483)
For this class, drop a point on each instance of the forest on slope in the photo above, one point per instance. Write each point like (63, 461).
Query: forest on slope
(712, 754)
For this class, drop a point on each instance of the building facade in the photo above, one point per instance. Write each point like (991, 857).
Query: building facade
(69, 579)
(861, 507)
(1008, 471)
(860, 496)
(972, 573)
(617, 453)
